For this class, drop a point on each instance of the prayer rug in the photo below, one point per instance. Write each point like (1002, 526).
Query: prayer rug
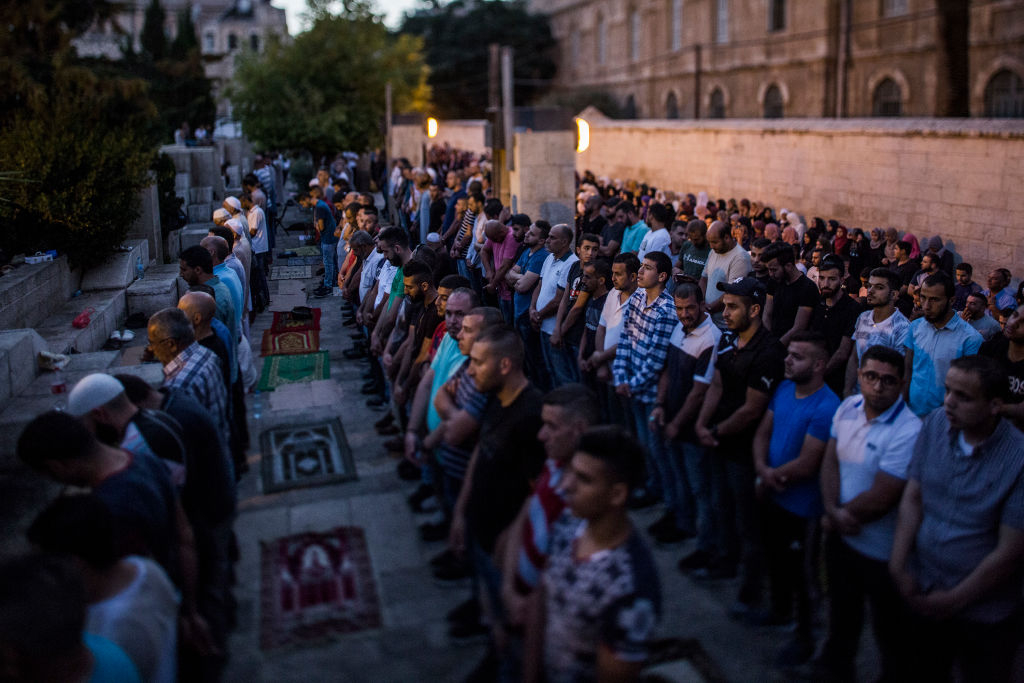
(286, 302)
(290, 287)
(307, 251)
(304, 260)
(289, 342)
(310, 454)
(315, 585)
(290, 272)
(290, 321)
(278, 370)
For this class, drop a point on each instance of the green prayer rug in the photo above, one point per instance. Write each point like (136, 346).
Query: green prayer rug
(306, 367)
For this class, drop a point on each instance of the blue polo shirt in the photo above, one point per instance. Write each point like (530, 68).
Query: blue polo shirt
(633, 236)
(528, 263)
(934, 349)
(323, 212)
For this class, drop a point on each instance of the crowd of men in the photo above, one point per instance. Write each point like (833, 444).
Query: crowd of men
(802, 402)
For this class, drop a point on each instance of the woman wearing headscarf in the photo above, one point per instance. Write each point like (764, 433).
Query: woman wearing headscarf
(789, 235)
(945, 256)
(841, 242)
(915, 248)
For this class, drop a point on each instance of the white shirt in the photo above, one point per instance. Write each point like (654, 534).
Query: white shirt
(476, 243)
(552, 278)
(258, 230)
(384, 281)
(611, 318)
(368, 275)
(143, 620)
(655, 240)
(726, 267)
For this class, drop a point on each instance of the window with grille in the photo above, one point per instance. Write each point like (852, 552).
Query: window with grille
(777, 15)
(675, 25)
(773, 104)
(634, 36)
(722, 22)
(1004, 96)
(887, 99)
(716, 108)
(671, 106)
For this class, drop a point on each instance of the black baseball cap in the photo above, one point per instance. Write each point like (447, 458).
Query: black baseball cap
(745, 286)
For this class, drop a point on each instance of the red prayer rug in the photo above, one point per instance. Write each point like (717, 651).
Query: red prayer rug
(289, 342)
(315, 585)
(289, 321)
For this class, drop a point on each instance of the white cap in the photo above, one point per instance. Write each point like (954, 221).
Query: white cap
(236, 225)
(221, 215)
(233, 203)
(433, 238)
(93, 391)
(314, 183)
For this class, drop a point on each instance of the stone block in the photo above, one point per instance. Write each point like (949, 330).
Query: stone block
(152, 293)
(172, 246)
(183, 182)
(201, 195)
(234, 174)
(147, 225)
(108, 312)
(18, 366)
(193, 233)
(31, 291)
(119, 270)
(13, 419)
(169, 270)
(199, 213)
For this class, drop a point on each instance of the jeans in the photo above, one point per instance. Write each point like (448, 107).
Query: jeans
(732, 496)
(536, 368)
(641, 414)
(507, 311)
(673, 479)
(854, 579)
(329, 252)
(561, 369)
(695, 464)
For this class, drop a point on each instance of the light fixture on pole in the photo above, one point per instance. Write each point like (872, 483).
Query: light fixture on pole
(582, 135)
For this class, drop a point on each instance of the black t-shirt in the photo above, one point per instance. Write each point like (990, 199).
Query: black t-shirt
(997, 348)
(425, 325)
(613, 232)
(836, 323)
(209, 494)
(574, 281)
(591, 321)
(437, 209)
(906, 273)
(788, 298)
(509, 460)
(595, 226)
(215, 344)
(758, 366)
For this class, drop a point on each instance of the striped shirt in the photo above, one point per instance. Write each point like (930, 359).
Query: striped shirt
(454, 458)
(197, 373)
(543, 510)
(643, 345)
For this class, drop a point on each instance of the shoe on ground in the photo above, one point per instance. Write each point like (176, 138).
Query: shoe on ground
(468, 610)
(116, 335)
(321, 294)
(384, 421)
(666, 521)
(698, 559)
(395, 444)
(127, 335)
(797, 651)
(422, 494)
(434, 531)
(406, 471)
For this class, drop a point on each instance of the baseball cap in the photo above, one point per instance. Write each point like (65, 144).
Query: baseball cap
(221, 215)
(93, 391)
(745, 286)
(234, 203)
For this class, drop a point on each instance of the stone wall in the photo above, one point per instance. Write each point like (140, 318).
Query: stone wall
(407, 140)
(543, 182)
(956, 178)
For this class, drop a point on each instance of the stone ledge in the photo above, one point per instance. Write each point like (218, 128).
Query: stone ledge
(109, 312)
(18, 366)
(152, 293)
(31, 291)
(119, 270)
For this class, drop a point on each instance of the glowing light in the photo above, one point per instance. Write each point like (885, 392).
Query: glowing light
(582, 135)
(431, 127)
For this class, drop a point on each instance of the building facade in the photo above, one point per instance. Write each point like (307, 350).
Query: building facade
(792, 58)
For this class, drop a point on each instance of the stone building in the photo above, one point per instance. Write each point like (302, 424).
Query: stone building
(224, 29)
(793, 58)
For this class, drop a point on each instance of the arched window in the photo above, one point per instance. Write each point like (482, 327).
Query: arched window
(634, 36)
(629, 110)
(232, 41)
(773, 104)
(1004, 96)
(671, 106)
(600, 39)
(887, 99)
(716, 108)
(254, 42)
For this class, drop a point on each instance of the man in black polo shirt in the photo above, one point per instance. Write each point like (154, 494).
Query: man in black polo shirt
(791, 295)
(507, 459)
(835, 316)
(749, 366)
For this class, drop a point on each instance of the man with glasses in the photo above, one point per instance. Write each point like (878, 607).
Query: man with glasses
(863, 475)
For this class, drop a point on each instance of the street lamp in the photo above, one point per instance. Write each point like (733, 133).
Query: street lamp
(582, 135)
(431, 127)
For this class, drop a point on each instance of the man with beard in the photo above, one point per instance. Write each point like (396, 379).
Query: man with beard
(975, 312)
(1007, 349)
(791, 295)
(835, 317)
(881, 325)
(933, 341)
(523, 278)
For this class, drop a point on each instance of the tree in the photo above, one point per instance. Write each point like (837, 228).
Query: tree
(457, 38)
(185, 41)
(324, 92)
(154, 42)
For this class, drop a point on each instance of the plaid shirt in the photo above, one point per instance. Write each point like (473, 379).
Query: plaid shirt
(640, 354)
(197, 373)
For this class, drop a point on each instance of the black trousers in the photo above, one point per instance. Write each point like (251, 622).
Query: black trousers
(789, 542)
(982, 652)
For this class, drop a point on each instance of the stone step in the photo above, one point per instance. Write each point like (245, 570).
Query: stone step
(193, 234)
(109, 312)
(170, 271)
(119, 271)
(198, 213)
(18, 365)
(200, 195)
(154, 292)
(182, 181)
(29, 292)
(234, 174)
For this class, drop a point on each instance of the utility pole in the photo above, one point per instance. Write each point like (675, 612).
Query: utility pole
(387, 123)
(494, 117)
(508, 107)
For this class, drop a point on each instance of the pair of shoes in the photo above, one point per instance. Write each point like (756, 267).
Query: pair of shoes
(355, 353)
(434, 531)
(384, 421)
(698, 559)
(406, 471)
(640, 499)
(665, 522)
(376, 402)
(122, 335)
(321, 293)
(717, 568)
(395, 444)
(421, 495)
